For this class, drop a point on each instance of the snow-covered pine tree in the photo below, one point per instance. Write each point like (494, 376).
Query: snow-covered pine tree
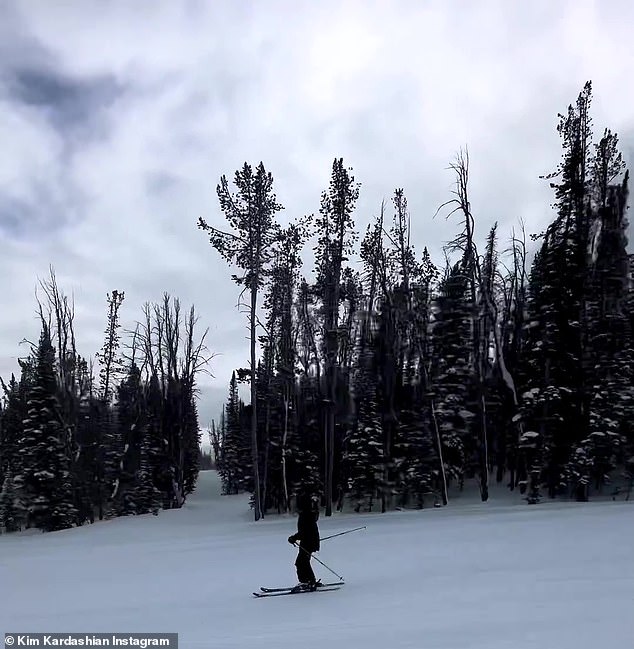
(86, 469)
(131, 426)
(336, 239)
(193, 436)
(576, 320)
(541, 409)
(16, 418)
(556, 369)
(147, 494)
(276, 392)
(352, 302)
(418, 458)
(11, 507)
(267, 425)
(68, 366)
(44, 478)
(609, 337)
(628, 433)
(453, 376)
(109, 446)
(419, 415)
(11, 418)
(305, 443)
(416, 446)
(482, 313)
(363, 445)
(532, 446)
(109, 453)
(173, 433)
(233, 452)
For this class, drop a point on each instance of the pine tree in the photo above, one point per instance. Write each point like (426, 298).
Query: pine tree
(191, 430)
(108, 444)
(111, 363)
(304, 448)
(217, 441)
(11, 417)
(544, 399)
(44, 479)
(576, 320)
(453, 376)
(235, 464)
(556, 369)
(571, 234)
(336, 238)
(609, 337)
(85, 467)
(130, 422)
(147, 494)
(251, 214)
(276, 386)
(11, 508)
(362, 459)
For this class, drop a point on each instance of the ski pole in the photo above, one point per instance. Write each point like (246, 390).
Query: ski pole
(322, 563)
(332, 536)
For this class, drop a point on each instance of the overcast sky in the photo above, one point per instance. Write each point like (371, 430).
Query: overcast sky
(117, 120)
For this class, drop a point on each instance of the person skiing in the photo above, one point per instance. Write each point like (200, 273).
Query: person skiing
(308, 537)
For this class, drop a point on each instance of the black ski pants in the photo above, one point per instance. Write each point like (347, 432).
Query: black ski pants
(305, 572)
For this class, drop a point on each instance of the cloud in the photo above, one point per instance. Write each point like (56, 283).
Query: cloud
(70, 105)
(118, 119)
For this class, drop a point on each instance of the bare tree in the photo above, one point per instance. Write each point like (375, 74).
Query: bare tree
(61, 317)
(172, 354)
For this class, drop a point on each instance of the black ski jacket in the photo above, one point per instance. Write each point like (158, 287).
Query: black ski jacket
(307, 531)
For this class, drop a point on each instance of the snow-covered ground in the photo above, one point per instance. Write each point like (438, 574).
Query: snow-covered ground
(500, 575)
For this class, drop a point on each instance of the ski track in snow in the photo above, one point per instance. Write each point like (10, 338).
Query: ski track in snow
(496, 575)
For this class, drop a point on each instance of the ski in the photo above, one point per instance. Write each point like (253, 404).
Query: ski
(297, 592)
(279, 590)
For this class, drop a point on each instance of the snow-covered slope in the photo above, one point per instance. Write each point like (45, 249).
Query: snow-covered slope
(481, 576)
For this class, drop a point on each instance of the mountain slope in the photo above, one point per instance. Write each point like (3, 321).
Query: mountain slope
(466, 576)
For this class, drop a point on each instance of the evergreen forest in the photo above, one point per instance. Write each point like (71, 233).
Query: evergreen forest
(377, 374)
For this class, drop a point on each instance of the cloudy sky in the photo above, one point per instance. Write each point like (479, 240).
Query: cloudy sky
(118, 118)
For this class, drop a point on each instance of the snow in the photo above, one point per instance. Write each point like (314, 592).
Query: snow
(595, 239)
(44, 474)
(495, 575)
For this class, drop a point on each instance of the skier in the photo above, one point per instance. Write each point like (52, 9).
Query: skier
(308, 537)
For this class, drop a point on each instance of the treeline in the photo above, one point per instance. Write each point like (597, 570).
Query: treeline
(386, 380)
(206, 461)
(75, 447)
